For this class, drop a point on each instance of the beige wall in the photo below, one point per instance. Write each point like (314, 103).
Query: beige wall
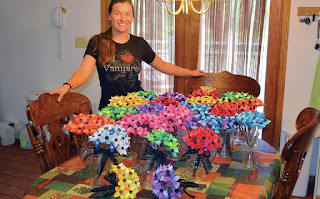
(28, 50)
(301, 63)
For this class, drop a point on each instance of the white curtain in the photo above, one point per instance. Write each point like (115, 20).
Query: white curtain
(234, 38)
(157, 27)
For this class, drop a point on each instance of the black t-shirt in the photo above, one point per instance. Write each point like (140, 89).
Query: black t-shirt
(120, 75)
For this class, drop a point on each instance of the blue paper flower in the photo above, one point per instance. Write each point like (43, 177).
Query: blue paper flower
(252, 120)
(224, 124)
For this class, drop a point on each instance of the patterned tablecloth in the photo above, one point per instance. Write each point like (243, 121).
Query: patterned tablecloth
(227, 179)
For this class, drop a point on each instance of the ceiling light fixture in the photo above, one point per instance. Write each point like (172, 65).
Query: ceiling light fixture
(187, 5)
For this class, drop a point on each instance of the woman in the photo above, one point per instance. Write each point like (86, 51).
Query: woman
(118, 56)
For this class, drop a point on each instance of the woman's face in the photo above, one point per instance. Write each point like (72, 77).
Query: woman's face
(121, 17)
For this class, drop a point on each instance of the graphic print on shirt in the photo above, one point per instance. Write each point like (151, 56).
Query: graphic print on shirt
(122, 63)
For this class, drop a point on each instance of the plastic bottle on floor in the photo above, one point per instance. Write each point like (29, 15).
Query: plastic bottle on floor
(18, 128)
(6, 134)
(25, 142)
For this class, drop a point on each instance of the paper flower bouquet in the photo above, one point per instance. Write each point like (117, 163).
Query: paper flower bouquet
(107, 140)
(201, 141)
(176, 96)
(224, 127)
(153, 108)
(113, 136)
(207, 100)
(150, 95)
(249, 124)
(140, 124)
(87, 123)
(161, 145)
(164, 140)
(223, 108)
(174, 118)
(166, 184)
(124, 183)
(251, 120)
(201, 118)
(130, 100)
(205, 91)
(235, 96)
(116, 112)
(166, 101)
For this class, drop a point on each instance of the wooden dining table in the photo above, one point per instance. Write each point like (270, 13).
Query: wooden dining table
(228, 178)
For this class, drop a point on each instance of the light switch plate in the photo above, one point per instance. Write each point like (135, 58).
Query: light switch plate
(81, 42)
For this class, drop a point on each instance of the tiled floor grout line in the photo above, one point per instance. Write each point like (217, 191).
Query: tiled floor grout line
(18, 170)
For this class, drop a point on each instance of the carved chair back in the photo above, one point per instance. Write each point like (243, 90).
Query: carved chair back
(295, 150)
(46, 111)
(224, 82)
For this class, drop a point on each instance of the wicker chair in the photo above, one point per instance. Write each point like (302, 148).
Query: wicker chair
(47, 111)
(224, 82)
(295, 150)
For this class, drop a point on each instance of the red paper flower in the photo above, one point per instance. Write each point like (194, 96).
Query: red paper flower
(203, 139)
(166, 101)
(224, 108)
(205, 91)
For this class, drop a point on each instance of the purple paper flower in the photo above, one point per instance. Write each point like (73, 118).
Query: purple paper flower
(165, 183)
(177, 96)
(153, 108)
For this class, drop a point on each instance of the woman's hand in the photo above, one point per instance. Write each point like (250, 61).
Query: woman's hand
(61, 91)
(197, 73)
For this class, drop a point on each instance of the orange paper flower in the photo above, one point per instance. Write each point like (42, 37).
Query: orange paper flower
(87, 123)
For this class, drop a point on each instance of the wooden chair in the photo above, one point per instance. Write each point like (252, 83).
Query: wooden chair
(295, 150)
(224, 82)
(47, 111)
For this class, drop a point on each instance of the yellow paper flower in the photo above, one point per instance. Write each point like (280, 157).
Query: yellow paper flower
(207, 89)
(130, 100)
(207, 100)
(128, 182)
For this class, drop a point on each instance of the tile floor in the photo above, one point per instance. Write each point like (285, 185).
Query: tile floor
(18, 170)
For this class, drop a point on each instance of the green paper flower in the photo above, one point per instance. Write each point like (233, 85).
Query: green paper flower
(150, 95)
(116, 112)
(235, 96)
(164, 139)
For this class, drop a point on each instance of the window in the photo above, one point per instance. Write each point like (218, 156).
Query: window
(234, 37)
(156, 26)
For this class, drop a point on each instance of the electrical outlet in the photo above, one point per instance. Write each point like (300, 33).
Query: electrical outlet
(81, 42)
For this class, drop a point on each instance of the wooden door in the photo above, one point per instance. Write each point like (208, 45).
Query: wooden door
(276, 69)
(187, 44)
(105, 23)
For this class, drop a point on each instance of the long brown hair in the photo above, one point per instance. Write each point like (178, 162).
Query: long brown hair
(103, 44)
